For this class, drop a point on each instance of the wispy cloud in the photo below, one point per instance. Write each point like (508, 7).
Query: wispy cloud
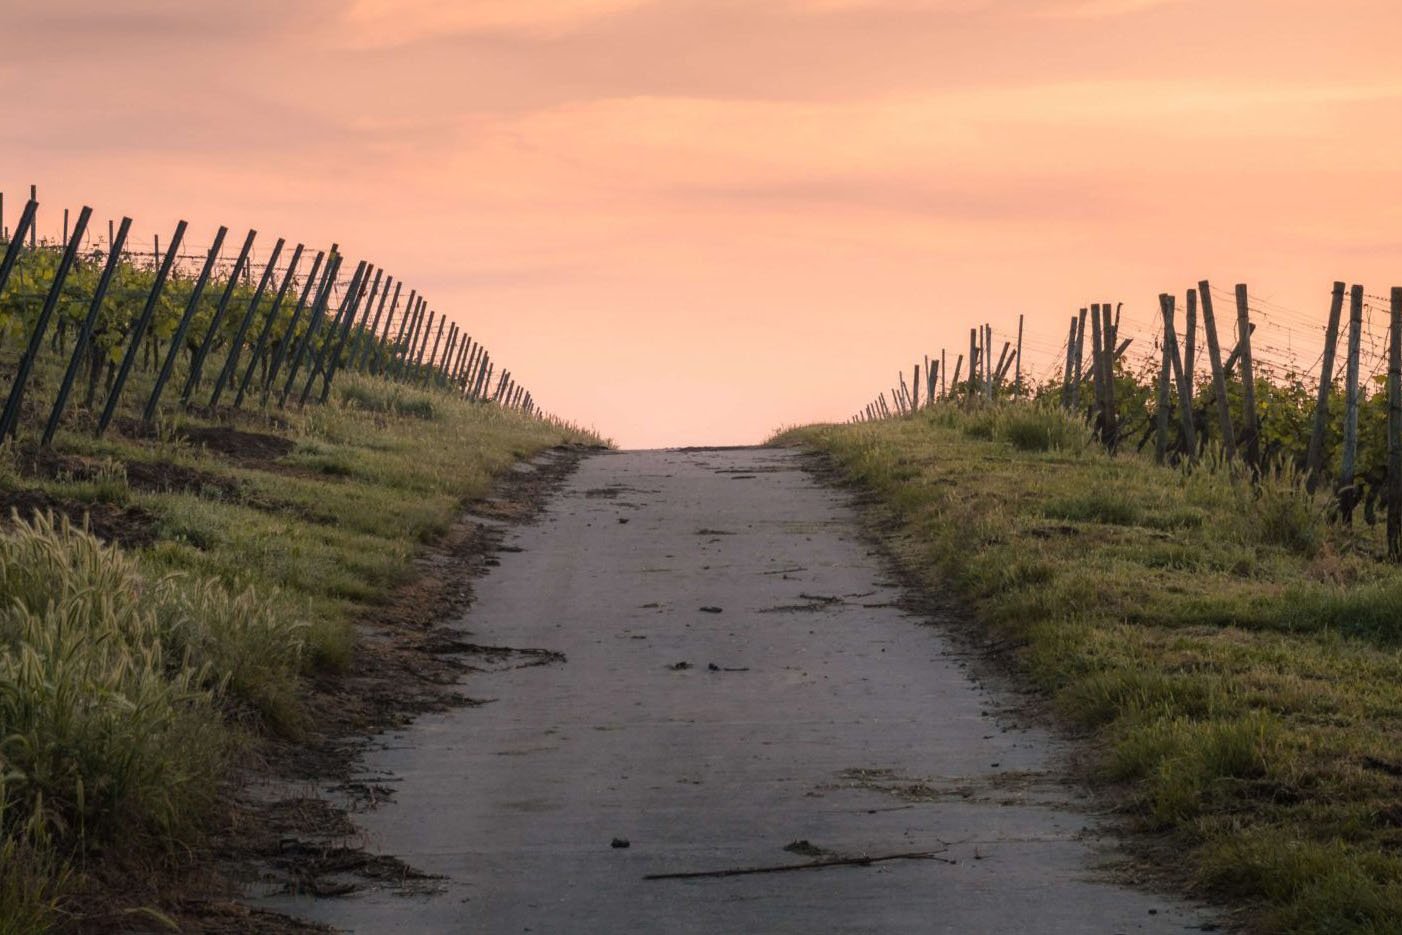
(386, 23)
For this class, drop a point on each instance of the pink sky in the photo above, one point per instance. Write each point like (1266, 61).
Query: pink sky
(693, 222)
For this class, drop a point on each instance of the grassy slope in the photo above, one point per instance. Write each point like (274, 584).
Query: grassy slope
(273, 559)
(1234, 657)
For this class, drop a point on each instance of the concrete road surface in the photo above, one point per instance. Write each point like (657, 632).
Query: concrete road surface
(739, 676)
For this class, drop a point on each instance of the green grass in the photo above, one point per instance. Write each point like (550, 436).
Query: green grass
(130, 678)
(1235, 658)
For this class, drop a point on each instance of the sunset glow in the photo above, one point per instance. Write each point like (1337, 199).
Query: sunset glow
(693, 222)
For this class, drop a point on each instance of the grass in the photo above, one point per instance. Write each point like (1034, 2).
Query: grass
(131, 678)
(1234, 657)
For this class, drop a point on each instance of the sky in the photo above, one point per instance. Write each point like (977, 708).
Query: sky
(693, 222)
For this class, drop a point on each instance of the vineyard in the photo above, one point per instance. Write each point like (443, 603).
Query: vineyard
(1338, 427)
(1163, 537)
(213, 470)
(138, 338)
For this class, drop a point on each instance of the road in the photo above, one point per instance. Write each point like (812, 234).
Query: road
(811, 708)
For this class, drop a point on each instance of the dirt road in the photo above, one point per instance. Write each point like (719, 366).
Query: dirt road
(736, 674)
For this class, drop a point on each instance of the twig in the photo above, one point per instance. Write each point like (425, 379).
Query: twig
(810, 865)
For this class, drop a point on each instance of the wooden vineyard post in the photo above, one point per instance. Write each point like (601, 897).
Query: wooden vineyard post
(1096, 373)
(139, 330)
(80, 344)
(1394, 428)
(323, 364)
(1112, 330)
(9, 420)
(1347, 494)
(915, 389)
(1185, 385)
(318, 312)
(1190, 327)
(1219, 378)
(933, 376)
(944, 368)
(1076, 361)
(1314, 458)
(1017, 374)
(192, 379)
(289, 337)
(973, 360)
(958, 365)
(393, 361)
(988, 371)
(231, 360)
(1000, 368)
(261, 345)
(1249, 427)
(1066, 375)
(1161, 412)
(177, 340)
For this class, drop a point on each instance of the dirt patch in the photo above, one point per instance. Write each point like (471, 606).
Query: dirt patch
(239, 445)
(409, 663)
(230, 442)
(129, 526)
(157, 476)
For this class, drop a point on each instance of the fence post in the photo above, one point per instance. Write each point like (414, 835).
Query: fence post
(16, 244)
(357, 340)
(1066, 371)
(1190, 326)
(1017, 374)
(334, 364)
(427, 376)
(1161, 412)
(381, 343)
(423, 344)
(321, 366)
(231, 359)
(323, 296)
(1077, 360)
(1348, 495)
(80, 345)
(406, 356)
(370, 340)
(973, 361)
(9, 419)
(289, 336)
(484, 375)
(1185, 385)
(1394, 428)
(944, 369)
(1248, 380)
(1097, 374)
(1112, 353)
(178, 338)
(139, 331)
(1314, 459)
(261, 345)
(410, 307)
(192, 379)
(1219, 377)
